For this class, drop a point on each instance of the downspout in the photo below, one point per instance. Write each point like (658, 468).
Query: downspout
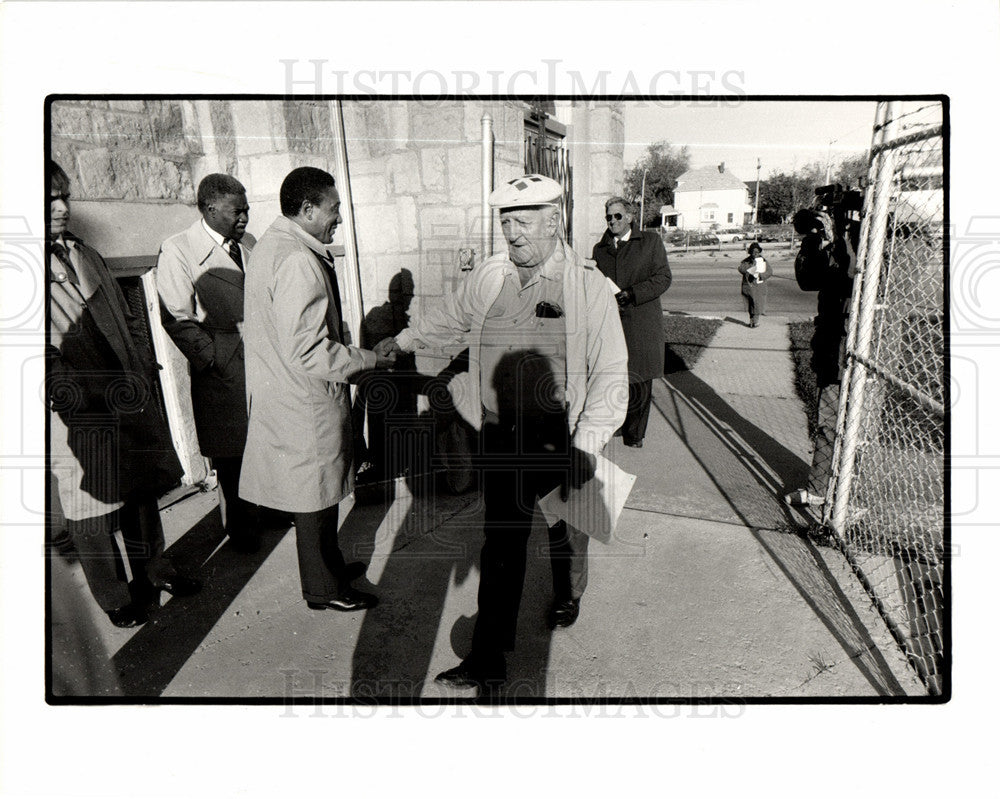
(486, 242)
(351, 274)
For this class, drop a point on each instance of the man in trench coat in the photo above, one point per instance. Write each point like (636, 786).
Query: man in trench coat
(636, 262)
(299, 455)
(199, 277)
(110, 450)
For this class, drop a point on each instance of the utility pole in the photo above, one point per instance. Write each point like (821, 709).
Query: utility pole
(756, 194)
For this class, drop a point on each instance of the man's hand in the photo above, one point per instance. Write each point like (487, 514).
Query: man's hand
(386, 352)
(625, 297)
(582, 466)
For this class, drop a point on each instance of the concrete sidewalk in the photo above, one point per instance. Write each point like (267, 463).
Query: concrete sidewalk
(704, 591)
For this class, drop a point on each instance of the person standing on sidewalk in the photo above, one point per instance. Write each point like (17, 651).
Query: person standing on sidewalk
(755, 271)
(299, 453)
(547, 369)
(636, 262)
(199, 277)
(109, 448)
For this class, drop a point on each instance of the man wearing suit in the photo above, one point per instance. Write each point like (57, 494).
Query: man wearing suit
(636, 262)
(299, 453)
(109, 447)
(199, 277)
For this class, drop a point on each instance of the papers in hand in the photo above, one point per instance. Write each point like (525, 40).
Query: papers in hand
(594, 508)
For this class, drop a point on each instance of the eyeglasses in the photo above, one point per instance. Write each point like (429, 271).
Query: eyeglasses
(609, 217)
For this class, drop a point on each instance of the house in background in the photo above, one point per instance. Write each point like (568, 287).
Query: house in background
(708, 198)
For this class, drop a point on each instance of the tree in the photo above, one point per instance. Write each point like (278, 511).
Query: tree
(782, 194)
(852, 172)
(663, 164)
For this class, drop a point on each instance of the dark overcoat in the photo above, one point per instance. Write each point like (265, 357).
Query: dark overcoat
(108, 434)
(639, 265)
(201, 302)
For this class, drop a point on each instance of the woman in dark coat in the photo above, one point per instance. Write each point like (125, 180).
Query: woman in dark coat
(636, 262)
(755, 271)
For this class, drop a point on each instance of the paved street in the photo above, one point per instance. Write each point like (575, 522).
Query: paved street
(708, 280)
(705, 589)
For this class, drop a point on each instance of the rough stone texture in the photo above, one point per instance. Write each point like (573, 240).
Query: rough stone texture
(374, 132)
(433, 161)
(308, 126)
(252, 127)
(265, 173)
(224, 137)
(465, 174)
(134, 106)
(167, 119)
(436, 123)
(376, 228)
(72, 123)
(368, 188)
(404, 173)
(406, 213)
(123, 131)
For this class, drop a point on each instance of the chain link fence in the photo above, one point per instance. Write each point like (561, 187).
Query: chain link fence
(886, 500)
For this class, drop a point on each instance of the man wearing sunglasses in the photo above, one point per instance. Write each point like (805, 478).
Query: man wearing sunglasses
(636, 262)
(547, 371)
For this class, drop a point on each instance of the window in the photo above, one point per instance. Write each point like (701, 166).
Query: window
(730, 218)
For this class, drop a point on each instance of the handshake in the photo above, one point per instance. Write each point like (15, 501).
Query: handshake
(386, 352)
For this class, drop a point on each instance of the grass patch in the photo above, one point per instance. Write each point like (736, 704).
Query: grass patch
(799, 343)
(686, 338)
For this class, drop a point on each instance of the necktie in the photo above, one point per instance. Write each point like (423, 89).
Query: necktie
(62, 254)
(336, 294)
(234, 252)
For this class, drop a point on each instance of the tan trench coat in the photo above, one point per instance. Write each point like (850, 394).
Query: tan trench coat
(201, 302)
(299, 449)
(108, 436)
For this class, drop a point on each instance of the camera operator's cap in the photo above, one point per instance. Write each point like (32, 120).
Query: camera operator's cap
(525, 191)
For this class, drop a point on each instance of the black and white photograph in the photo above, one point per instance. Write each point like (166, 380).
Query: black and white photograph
(329, 355)
(501, 363)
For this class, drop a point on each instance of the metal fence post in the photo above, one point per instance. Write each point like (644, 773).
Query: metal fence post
(869, 271)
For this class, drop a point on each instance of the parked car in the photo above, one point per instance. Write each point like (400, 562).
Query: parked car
(727, 236)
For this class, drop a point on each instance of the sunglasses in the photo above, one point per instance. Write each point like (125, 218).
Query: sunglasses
(609, 217)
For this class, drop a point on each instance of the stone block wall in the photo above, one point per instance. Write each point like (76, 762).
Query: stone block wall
(416, 185)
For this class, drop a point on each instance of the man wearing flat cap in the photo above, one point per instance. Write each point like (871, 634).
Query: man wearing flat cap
(548, 368)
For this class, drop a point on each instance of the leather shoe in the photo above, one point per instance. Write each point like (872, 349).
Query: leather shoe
(132, 615)
(564, 613)
(475, 673)
(178, 585)
(347, 602)
(636, 444)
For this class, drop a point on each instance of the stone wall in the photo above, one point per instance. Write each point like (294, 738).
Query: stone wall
(597, 143)
(416, 185)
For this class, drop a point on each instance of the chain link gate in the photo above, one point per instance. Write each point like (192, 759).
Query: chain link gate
(885, 504)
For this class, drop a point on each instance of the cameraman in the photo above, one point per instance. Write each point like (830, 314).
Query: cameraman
(827, 263)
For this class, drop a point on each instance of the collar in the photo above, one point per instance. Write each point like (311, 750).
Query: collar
(216, 236)
(626, 237)
(290, 226)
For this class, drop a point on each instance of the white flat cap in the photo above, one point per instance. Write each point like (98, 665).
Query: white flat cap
(526, 190)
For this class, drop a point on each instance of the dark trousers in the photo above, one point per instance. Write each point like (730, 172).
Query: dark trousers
(101, 560)
(321, 563)
(640, 396)
(239, 516)
(755, 296)
(517, 467)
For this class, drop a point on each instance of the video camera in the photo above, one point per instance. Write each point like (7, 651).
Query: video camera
(824, 255)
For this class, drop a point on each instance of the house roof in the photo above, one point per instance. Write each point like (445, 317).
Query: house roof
(668, 209)
(708, 178)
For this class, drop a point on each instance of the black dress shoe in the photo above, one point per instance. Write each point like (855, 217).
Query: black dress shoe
(564, 613)
(473, 672)
(636, 444)
(179, 585)
(132, 615)
(346, 602)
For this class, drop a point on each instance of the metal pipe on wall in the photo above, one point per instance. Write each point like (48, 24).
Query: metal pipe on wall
(486, 238)
(351, 275)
